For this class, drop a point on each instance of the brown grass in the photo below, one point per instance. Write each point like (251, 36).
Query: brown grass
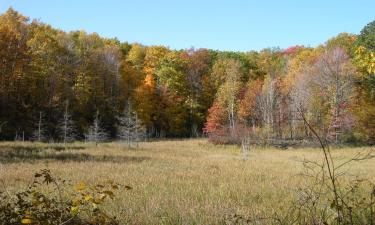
(175, 182)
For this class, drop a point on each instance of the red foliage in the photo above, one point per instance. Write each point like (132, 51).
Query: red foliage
(248, 106)
(292, 50)
(217, 129)
(215, 126)
(215, 120)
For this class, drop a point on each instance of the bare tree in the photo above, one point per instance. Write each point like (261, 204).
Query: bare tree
(268, 103)
(20, 136)
(334, 76)
(300, 98)
(245, 144)
(130, 127)
(96, 133)
(66, 126)
(2, 124)
(39, 132)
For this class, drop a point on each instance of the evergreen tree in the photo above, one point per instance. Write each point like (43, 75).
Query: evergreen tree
(96, 133)
(130, 128)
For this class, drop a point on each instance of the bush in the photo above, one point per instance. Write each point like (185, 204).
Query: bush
(46, 201)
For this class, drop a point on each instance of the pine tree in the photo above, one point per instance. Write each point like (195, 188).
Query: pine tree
(130, 128)
(96, 133)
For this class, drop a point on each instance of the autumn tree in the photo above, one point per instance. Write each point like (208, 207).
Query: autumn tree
(230, 70)
(147, 104)
(137, 55)
(152, 59)
(173, 90)
(250, 111)
(364, 58)
(271, 61)
(335, 75)
(15, 81)
(298, 92)
(198, 66)
(215, 127)
(343, 40)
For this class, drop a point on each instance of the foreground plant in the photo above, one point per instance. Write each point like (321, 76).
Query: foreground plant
(57, 205)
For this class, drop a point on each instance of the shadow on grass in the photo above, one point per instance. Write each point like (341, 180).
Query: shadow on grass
(52, 147)
(15, 154)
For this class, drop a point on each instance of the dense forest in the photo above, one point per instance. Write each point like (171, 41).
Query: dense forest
(55, 84)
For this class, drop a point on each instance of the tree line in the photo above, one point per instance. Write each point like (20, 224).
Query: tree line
(65, 85)
(332, 85)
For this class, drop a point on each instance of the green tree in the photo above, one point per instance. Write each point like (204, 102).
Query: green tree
(367, 36)
(365, 82)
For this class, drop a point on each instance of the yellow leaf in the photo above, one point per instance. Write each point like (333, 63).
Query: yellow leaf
(81, 186)
(88, 197)
(26, 221)
(74, 210)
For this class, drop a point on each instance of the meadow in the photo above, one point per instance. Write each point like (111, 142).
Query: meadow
(177, 181)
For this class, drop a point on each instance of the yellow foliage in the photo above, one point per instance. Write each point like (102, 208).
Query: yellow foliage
(296, 67)
(88, 197)
(81, 186)
(74, 210)
(365, 60)
(26, 221)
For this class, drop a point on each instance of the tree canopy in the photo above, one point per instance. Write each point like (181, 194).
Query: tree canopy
(182, 93)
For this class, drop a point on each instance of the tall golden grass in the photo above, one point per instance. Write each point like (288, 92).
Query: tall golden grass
(178, 181)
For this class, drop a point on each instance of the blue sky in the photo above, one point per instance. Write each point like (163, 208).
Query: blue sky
(216, 24)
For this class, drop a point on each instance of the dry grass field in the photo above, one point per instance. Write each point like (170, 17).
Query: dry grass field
(176, 182)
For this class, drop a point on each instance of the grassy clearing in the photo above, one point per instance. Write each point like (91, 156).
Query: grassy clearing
(175, 182)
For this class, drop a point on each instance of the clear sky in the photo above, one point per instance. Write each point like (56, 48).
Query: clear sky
(238, 25)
